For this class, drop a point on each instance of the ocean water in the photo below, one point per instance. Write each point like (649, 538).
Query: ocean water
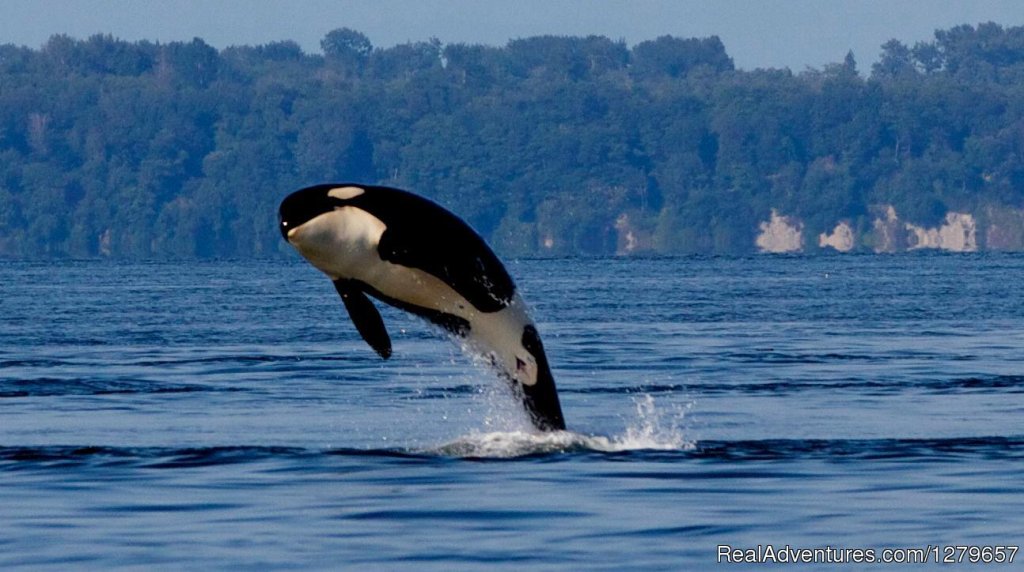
(225, 415)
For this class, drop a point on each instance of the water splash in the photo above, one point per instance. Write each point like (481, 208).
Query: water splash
(653, 429)
(650, 430)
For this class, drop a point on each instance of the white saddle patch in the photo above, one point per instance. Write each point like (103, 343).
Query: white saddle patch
(345, 193)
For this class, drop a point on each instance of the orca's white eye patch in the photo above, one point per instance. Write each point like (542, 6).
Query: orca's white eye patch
(345, 193)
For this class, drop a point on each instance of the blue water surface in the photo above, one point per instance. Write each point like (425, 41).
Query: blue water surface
(226, 415)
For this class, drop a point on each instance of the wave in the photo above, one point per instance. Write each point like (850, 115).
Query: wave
(973, 384)
(840, 450)
(566, 446)
(1008, 384)
(54, 387)
(651, 429)
(770, 356)
(515, 444)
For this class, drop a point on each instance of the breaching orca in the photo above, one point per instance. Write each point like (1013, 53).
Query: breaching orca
(410, 253)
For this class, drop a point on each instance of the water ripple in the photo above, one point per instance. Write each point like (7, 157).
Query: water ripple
(54, 387)
(544, 446)
(1002, 384)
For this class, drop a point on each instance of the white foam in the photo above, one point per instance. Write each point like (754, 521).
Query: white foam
(646, 432)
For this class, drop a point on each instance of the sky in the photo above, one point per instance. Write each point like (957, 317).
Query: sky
(797, 34)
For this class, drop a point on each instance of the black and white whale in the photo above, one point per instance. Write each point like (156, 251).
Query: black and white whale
(407, 251)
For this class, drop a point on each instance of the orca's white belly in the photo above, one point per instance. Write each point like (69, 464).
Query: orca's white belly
(496, 335)
(343, 244)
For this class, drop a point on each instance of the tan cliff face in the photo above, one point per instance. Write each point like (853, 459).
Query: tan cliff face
(631, 239)
(1005, 229)
(841, 238)
(888, 234)
(958, 234)
(780, 234)
(998, 228)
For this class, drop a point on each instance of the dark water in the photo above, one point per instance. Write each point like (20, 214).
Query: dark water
(225, 416)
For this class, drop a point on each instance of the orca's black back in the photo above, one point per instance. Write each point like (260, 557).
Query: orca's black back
(421, 234)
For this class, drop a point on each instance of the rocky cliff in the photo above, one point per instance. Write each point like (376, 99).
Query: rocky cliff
(997, 229)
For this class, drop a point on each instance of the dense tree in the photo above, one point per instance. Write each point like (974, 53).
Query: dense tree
(547, 145)
(677, 57)
(346, 49)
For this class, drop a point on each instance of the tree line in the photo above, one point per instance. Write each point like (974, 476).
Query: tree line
(547, 145)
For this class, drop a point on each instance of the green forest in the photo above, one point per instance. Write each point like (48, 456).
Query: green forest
(546, 146)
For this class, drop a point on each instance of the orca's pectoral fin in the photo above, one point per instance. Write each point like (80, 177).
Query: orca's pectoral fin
(365, 316)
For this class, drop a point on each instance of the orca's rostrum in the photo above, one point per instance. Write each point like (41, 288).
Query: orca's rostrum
(407, 251)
